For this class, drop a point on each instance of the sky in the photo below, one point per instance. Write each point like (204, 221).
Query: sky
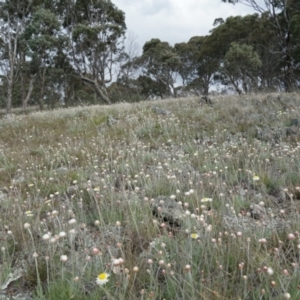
(175, 21)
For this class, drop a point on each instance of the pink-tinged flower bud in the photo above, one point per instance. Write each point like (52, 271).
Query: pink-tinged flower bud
(273, 283)
(135, 269)
(95, 251)
(187, 268)
(161, 262)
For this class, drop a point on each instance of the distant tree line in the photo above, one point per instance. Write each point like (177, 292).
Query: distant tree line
(75, 52)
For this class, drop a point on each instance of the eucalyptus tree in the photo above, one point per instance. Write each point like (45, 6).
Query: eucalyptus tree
(198, 63)
(206, 64)
(295, 30)
(252, 30)
(150, 88)
(42, 40)
(284, 15)
(233, 29)
(96, 30)
(217, 44)
(188, 55)
(160, 63)
(263, 40)
(240, 68)
(14, 16)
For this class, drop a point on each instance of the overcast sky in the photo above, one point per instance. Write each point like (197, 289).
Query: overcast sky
(175, 21)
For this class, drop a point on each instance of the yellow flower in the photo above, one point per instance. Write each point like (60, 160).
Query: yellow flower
(29, 213)
(102, 278)
(194, 236)
(204, 200)
(255, 178)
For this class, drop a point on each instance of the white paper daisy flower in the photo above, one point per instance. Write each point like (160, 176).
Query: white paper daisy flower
(102, 278)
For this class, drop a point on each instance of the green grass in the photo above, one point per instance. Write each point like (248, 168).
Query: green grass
(77, 193)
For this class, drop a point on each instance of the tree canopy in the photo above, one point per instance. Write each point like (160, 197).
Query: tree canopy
(74, 52)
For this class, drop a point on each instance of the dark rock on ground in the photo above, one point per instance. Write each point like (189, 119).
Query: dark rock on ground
(167, 211)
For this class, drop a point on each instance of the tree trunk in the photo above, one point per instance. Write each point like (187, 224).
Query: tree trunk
(97, 88)
(101, 94)
(22, 87)
(22, 75)
(205, 88)
(10, 77)
(235, 85)
(68, 89)
(12, 53)
(289, 79)
(41, 97)
(42, 87)
(26, 99)
(172, 90)
(9, 92)
(244, 83)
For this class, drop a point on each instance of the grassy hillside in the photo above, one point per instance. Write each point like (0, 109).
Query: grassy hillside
(172, 199)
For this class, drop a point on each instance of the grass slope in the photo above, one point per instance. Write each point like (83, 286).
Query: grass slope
(171, 199)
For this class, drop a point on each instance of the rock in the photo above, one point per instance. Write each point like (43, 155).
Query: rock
(13, 287)
(257, 212)
(295, 122)
(258, 216)
(270, 135)
(167, 210)
(160, 111)
(18, 179)
(73, 189)
(16, 275)
(61, 170)
(263, 134)
(251, 224)
(3, 196)
(292, 130)
(111, 121)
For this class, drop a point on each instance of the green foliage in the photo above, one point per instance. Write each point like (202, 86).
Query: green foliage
(160, 64)
(198, 63)
(150, 87)
(96, 29)
(241, 63)
(281, 15)
(54, 38)
(67, 52)
(129, 91)
(242, 58)
(39, 35)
